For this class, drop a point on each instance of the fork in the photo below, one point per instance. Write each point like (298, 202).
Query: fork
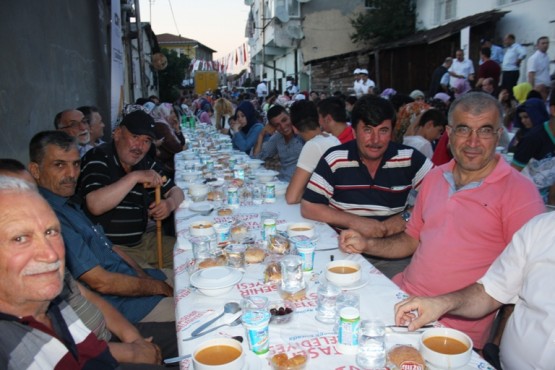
(235, 322)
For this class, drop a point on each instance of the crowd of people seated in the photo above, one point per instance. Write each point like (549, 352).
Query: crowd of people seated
(431, 187)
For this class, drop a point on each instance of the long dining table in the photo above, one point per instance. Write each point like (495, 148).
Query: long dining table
(303, 334)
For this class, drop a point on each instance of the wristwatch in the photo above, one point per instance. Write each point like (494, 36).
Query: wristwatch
(406, 215)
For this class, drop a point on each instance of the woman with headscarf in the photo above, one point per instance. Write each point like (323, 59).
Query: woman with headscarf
(244, 132)
(167, 129)
(529, 114)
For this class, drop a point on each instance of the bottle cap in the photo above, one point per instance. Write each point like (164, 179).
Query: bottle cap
(349, 313)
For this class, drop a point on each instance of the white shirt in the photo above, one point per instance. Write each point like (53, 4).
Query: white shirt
(261, 90)
(362, 87)
(512, 54)
(539, 63)
(524, 274)
(464, 68)
(419, 143)
(313, 150)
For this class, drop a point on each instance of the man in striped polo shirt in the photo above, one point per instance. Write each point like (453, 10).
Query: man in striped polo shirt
(365, 184)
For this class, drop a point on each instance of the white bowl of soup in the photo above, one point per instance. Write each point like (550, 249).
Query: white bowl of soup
(202, 228)
(219, 353)
(343, 272)
(301, 228)
(446, 348)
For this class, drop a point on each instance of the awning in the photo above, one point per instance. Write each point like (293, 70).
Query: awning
(441, 32)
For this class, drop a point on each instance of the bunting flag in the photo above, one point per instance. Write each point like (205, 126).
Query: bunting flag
(226, 64)
(244, 54)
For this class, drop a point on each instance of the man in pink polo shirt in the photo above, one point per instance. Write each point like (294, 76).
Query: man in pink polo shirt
(465, 214)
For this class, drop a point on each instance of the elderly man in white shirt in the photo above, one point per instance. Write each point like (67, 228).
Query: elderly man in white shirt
(461, 69)
(538, 67)
(510, 68)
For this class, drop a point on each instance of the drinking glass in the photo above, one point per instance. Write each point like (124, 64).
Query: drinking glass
(326, 302)
(235, 255)
(292, 279)
(202, 247)
(371, 345)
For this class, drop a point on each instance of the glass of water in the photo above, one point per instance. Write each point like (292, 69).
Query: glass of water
(371, 345)
(292, 279)
(327, 301)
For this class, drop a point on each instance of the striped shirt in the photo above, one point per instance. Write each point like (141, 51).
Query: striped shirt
(343, 182)
(126, 223)
(28, 344)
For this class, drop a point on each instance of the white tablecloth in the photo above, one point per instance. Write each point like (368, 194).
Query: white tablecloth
(303, 333)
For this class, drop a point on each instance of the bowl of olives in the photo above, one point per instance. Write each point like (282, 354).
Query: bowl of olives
(281, 311)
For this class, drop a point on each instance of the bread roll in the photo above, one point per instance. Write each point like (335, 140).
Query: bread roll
(254, 255)
(278, 244)
(239, 229)
(272, 272)
(224, 212)
(209, 262)
(406, 357)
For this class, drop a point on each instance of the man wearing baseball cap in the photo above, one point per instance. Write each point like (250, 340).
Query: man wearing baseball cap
(365, 85)
(117, 184)
(356, 73)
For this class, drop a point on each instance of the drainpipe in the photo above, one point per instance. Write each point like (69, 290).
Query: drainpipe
(296, 66)
(142, 76)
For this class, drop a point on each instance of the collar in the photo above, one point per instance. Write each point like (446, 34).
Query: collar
(57, 201)
(501, 170)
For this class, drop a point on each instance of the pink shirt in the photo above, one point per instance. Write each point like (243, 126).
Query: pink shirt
(461, 233)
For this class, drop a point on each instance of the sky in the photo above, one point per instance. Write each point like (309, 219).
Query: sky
(218, 24)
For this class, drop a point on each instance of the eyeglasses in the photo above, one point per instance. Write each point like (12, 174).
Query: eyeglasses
(74, 123)
(485, 132)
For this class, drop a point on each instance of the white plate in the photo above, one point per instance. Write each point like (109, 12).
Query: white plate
(200, 207)
(216, 277)
(359, 284)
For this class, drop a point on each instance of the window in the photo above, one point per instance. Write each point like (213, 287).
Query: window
(293, 8)
(290, 8)
(445, 10)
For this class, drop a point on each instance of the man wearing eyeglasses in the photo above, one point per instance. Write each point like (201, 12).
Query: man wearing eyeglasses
(74, 123)
(465, 214)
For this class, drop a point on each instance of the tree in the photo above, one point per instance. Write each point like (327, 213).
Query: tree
(173, 75)
(384, 21)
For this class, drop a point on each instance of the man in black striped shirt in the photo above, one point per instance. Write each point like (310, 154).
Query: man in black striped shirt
(117, 184)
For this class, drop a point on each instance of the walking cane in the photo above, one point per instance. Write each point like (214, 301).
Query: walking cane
(157, 198)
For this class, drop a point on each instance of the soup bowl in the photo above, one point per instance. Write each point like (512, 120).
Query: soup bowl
(446, 348)
(219, 354)
(301, 228)
(343, 272)
(202, 228)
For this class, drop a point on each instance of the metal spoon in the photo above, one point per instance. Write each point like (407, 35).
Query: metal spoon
(176, 359)
(203, 213)
(230, 307)
(235, 322)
